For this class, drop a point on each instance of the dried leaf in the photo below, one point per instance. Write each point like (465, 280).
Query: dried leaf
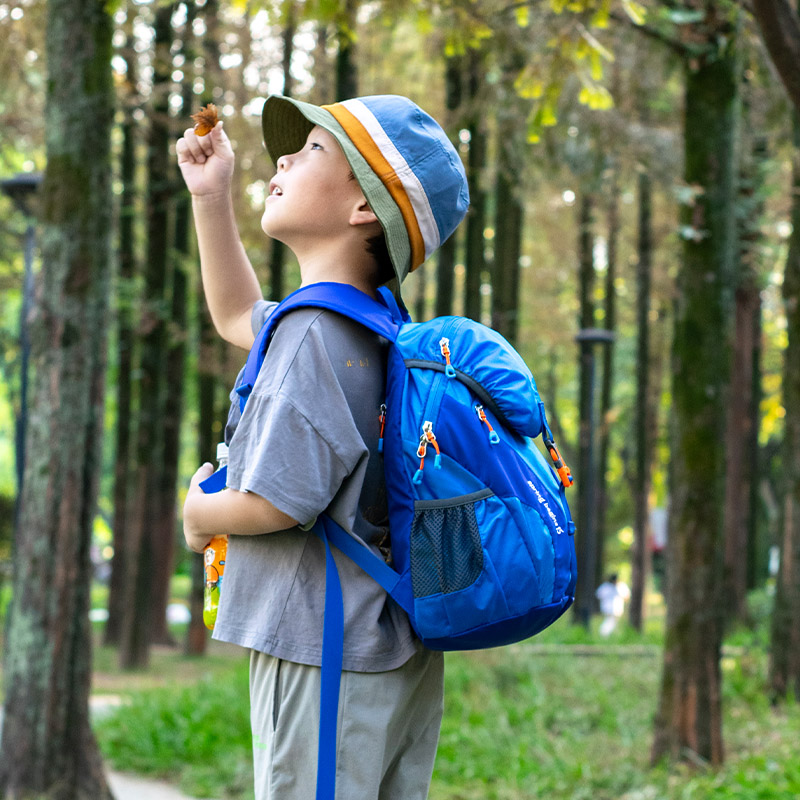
(205, 119)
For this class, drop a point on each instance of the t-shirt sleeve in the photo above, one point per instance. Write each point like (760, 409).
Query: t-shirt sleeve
(260, 313)
(296, 442)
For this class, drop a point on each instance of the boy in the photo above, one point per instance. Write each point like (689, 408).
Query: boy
(365, 190)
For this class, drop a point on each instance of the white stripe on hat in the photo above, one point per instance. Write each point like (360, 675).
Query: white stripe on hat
(411, 183)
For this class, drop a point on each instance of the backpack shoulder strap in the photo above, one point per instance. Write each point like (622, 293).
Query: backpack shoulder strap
(383, 316)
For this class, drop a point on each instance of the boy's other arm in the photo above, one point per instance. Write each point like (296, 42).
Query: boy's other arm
(230, 511)
(229, 281)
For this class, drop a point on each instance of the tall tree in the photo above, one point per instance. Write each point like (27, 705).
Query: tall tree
(346, 64)
(780, 29)
(784, 668)
(742, 422)
(689, 717)
(586, 539)
(125, 335)
(147, 550)
(446, 260)
(509, 212)
(643, 434)
(48, 749)
(209, 345)
(277, 261)
(607, 385)
(476, 162)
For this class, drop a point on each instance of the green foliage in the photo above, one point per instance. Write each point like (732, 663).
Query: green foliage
(198, 735)
(556, 717)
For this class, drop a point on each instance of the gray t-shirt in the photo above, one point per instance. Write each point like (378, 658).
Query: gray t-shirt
(307, 442)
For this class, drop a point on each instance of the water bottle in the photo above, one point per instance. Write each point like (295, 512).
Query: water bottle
(214, 556)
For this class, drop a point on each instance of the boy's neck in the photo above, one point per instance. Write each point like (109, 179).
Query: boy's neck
(337, 265)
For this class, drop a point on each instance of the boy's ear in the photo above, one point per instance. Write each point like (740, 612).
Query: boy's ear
(362, 214)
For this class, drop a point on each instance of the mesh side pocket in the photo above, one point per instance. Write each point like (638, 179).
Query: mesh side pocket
(446, 552)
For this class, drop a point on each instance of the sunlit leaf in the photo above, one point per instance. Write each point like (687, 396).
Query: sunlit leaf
(205, 119)
(636, 12)
(601, 16)
(523, 16)
(597, 66)
(596, 45)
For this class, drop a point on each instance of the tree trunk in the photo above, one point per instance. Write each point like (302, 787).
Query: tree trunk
(208, 362)
(643, 433)
(585, 538)
(125, 347)
(756, 535)
(784, 667)
(48, 749)
(689, 718)
(743, 418)
(166, 532)
(606, 390)
(739, 434)
(507, 238)
(446, 261)
(780, 29)
(476, 216)
(346, 67)
(147, 549)
(277, 260)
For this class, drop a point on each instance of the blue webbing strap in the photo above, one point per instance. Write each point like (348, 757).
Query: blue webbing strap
(330, 679)
(393, 582)
(333, 637)
(383, 316)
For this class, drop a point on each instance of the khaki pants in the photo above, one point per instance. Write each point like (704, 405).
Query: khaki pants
(388, 729)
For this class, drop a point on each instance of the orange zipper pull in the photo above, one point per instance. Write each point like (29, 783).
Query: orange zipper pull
(444, 346)
(558, 462)
(421, 451)
(382, 420)
(427, 432)
(493, 437)
(427, 437)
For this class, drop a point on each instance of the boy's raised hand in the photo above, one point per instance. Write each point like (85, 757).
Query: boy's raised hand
(206, 162)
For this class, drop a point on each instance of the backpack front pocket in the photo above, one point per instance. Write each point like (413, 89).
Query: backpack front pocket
(446, 549)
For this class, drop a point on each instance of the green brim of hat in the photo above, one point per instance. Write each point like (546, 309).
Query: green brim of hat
(286, 124)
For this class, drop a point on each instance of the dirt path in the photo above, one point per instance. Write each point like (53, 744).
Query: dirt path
(131, 787)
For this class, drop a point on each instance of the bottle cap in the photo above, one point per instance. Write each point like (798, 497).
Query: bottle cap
(222, 453)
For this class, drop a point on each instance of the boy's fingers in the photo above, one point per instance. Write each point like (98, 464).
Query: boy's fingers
(182, 150)
(192, 143)
(221, 142)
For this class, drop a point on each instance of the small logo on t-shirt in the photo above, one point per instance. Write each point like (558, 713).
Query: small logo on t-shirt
(359, 362)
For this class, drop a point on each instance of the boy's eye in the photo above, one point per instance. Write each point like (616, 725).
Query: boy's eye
(315, 146)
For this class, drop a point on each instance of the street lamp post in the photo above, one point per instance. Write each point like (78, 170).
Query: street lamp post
(587, 338)
(21, 189)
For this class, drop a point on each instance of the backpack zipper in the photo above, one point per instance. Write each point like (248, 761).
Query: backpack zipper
(434, 402)
(428, 437)
(493, 437)
(382, 421)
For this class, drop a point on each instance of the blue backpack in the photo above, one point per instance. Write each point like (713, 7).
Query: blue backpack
(482, 541)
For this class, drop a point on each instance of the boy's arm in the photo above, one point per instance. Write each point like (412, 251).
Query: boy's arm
(231, 511)
(229, 281)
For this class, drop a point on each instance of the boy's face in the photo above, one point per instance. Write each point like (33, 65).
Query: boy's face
(311, 196)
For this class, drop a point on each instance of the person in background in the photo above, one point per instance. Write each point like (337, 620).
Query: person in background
(611, 594)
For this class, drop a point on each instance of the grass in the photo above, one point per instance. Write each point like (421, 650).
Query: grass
(548, 718)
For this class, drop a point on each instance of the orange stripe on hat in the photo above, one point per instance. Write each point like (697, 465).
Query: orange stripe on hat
(383, 169)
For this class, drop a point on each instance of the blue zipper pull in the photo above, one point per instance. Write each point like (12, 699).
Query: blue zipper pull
(444, 346)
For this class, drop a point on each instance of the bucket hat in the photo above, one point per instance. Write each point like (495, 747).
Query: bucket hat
(410, 173)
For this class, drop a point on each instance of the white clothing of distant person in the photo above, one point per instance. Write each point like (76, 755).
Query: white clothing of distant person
(611, 594)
